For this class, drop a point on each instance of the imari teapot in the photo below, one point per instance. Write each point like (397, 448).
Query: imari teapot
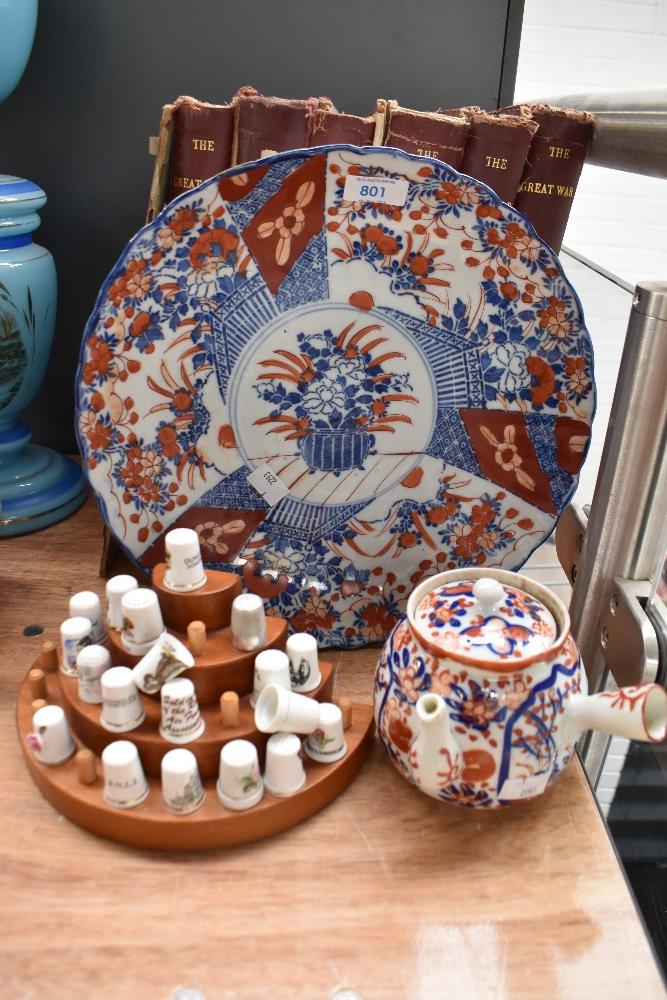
(480, 693)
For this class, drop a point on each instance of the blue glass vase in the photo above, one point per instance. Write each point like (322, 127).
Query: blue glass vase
(37, 485)
(18, 19)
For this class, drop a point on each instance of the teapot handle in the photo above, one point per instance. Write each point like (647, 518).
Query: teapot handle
(637, 713)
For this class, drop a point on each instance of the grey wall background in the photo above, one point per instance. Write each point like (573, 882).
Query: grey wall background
(100, 71)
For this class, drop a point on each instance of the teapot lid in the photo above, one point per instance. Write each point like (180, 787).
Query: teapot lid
(485, 620)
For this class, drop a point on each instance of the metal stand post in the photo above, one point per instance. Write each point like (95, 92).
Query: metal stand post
(627, 526)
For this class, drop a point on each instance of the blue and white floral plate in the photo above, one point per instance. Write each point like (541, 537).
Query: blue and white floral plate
(414, 380)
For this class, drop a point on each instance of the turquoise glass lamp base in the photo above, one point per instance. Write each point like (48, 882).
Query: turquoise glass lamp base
(38, 487)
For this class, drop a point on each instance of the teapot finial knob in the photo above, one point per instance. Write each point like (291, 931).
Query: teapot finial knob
(488, 593)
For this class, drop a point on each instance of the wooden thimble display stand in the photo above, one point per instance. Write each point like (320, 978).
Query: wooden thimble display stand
(75, 787)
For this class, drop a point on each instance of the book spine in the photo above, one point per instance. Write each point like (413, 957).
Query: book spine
(496, 151)
(201, 144)
(553, 167)
(160, 178)
(268, 124)
(332, 126)
(436, 136)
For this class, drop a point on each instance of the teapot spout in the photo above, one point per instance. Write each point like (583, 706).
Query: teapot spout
(637, 713)
(436, 755)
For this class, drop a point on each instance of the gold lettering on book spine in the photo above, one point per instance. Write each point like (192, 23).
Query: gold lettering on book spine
(496, 162)
(537, 187)
(186, 182)
(433, 153)
(559, 152)
(204, 145)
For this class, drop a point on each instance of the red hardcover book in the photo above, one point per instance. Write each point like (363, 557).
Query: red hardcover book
(553, 167)
(201, 143)
(496, 150)
(333, 126)
(429, 134)
(266, 125)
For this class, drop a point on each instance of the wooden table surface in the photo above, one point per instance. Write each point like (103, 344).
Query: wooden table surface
(385, 892)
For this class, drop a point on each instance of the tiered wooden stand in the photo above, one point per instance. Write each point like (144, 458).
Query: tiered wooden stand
(219, 668)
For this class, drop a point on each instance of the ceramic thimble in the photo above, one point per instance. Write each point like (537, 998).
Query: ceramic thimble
(116, 587)
(240, 784)
(121, 706)
(281, 711)
(142, 620)
(50, 740)
(185, 570)
(86, 604)
(271, 667)
(248, 622)
(327, 742)
(304, 664)
(74, 635)
(125, 783)
(91, 663)
(284, 773)
(181, 720)
(182, 790)
(166, 659)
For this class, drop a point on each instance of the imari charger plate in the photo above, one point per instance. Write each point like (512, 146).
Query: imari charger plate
(347, 369)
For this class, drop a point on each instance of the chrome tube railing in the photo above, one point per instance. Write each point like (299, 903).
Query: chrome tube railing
(626, 525)
(610, 554)
(630, 130)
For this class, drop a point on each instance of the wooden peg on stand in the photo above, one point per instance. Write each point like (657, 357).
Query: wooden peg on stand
(229, 709)
(86, 767)
(49, 657)
(197, 638)
(37, 682)
(37, 704)
(345, 706)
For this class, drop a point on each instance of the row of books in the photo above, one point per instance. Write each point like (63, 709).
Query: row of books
(531, 156)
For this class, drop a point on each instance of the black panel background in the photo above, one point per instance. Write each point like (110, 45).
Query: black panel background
(99, 73)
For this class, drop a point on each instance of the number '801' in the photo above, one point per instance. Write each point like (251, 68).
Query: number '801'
(372, 190)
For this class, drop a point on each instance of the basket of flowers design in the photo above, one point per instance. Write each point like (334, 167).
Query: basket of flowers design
(334, 396)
